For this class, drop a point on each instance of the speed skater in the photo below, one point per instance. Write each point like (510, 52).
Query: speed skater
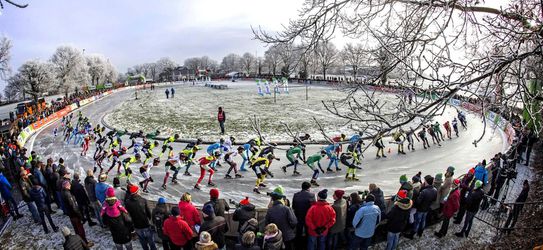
(166, 145)
(260, 166)
(229, 159)
(293, 154)
(204, 166)
(311, 160)
(144, 170)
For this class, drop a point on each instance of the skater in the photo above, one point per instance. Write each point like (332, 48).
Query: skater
(115, 155)
(189, 151)
(399, 138)
(147, 149)
(437, 130)
(246, 155)
(215, 148)
(260, 172)
(300, 142)
(351, 166)
(144, 170)
(409, 135)
(221, 117)
(293, 154)
(432, 133)
(357, 142)
(229, 159)
(331, 152)
(462, 118)
(311, 162)
(172, 164)
(204, 166)
(378, 142)
(167, 93)
(455, 126)
(126, 166)
(447, 126)
(422, 135)
(86, 142)
(166, 145)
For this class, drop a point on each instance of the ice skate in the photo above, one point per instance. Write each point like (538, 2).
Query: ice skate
(262, 185)
(228, 176)
(256, 190)
(187, 174)
(197, 187)
(211, 184)
(284, 168)
(296, 173)
(314, 183)
(239, 176)
(164, 187)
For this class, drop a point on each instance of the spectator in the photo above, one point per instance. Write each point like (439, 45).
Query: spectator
(472, 207)
(219, 205)
(141, 214)
(5, 192)
(481, 173)
(160, 214)
(397, 218)
(365, 221)
(221, 117)
(464, 188)
(435, 207)
(167, 93)
(90, 187)
(301, 202)
(116, 217)
(532, 139)
(82, 199)
(379, 198)
(243, 213)
(177, 231)
(283, 217)
(26, 186)
(190, 215)
(450, 207)
(250, 226)
(72, 241)
(101, 187)
(206, 242)
(340, 208)
(247, 242)
(425, 198)
(273, 238)
(38, 195)
(355, 204)
(172, 91)
(406, 185)
(72, 210)
(517, 208)
(215, 225)
(320, 218)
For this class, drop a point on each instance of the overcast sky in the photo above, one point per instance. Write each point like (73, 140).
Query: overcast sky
(130, 32)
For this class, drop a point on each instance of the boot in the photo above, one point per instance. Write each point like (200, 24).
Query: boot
(228, 176)
(262, 185)
(211, 184)
(438, 234)
(296, 173)
(314, 183)
(239, 176)
(256, 190)
(460, 234)
(354, 178)
(164, 187)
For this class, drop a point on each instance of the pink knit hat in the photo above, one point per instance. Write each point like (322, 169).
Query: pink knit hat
(110, 192)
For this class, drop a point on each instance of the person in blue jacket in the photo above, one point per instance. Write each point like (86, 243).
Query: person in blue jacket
(5, 192)
(211, 150)
(364, 222)
(331, 153)
(481, 173)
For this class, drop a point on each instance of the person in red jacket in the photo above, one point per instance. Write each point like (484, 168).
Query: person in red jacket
(221, 117)
(177, 230)
(190, 215)
(450, 207)
(205, 163)
(319, 219)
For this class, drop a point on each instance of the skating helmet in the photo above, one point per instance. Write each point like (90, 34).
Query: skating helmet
(221, 140)
(156, 160)
(176, 136)
(137, 155)
(271, 157)
(323, 152)
(198, 141)
(240, 149)
(124, 149)
(343, 136)
(232, 139)
(217, 153)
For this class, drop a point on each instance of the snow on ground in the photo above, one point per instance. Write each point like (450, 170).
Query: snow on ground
(458, 152)
(193, 111)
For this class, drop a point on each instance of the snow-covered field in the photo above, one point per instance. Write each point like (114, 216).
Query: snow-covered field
(193, 111)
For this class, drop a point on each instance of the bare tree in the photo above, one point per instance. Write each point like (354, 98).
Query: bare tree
(248, 62)
(14, 88)
(272, 59)
(353, 57)
(429, 41)
(70, 68)
(12, 3)
(96, 68)
(287, 54)
(231, 62)
(36, 78)
(5, 57)
(326, 53)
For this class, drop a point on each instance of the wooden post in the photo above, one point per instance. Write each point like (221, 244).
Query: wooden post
(306, 87)
(274, 93)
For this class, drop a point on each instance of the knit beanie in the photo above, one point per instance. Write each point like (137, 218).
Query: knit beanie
(214, 193)
(438, 178)
(339, 193)
(403, 179)
(161, 200)
(456, 182)
(478, 184)
(244, 201)
(208, 210)
(175, 211)
(110, 192)
(415, 179)
(132, 189)
(450, 169)
(323, 194)
(402, 194)
(279, 190)
(429, 179)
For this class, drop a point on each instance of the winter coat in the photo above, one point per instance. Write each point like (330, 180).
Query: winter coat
(206, 246)
(379, 200)
(340, 207)
(177, 230)
(366, 219)
(474, 200)
(284, 218)
(70, 204)
(301, 202)
(26, 186)
(79, 193)
(74, 242)
(320, 217)
(5, 187)
(139, 211)
(121, 226)
(398, 216)
(216, 226)
(90, 187)
(407, 186)
(428, 194)
(452, 204)
(243, 214)
(219, 205)
(273, 243)
(100, 191)
(244, 247)
(160, 215)
(481, 174)
(36, 172)
(190, 213)
(37, 194)
(351, 211)
(443, 191)
(439, 198)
